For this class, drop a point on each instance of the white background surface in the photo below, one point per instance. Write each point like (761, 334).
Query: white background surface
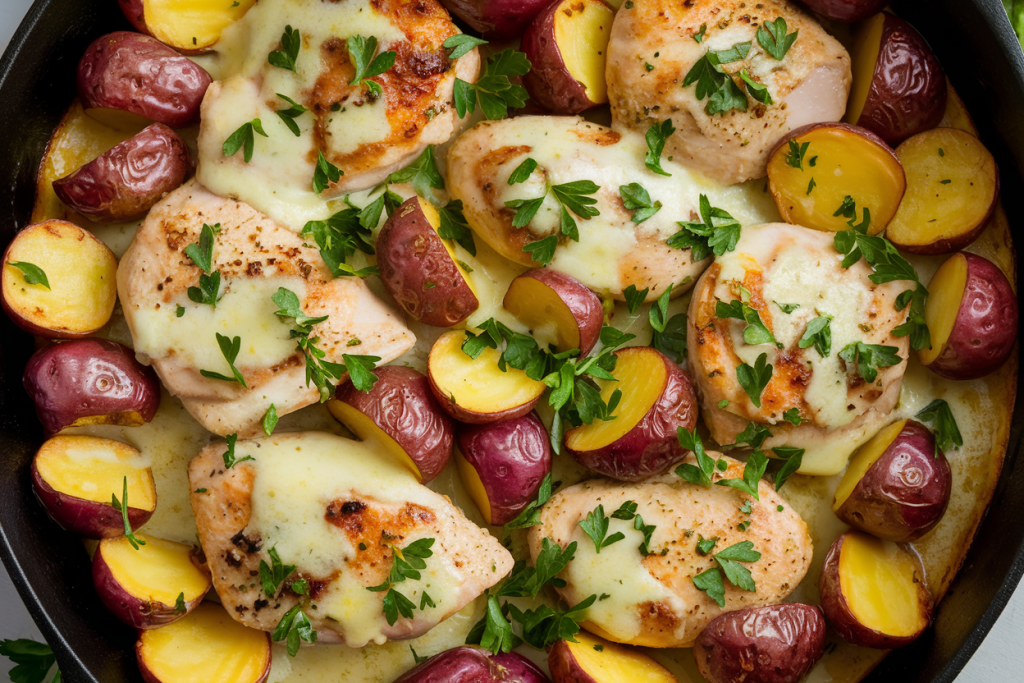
(1000, 659)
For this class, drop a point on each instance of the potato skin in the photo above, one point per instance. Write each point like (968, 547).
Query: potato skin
(84, 517)
(985, 329)
(549, 82)
(90, 381)
(135, 73)
(495, 19)
(846, 11)
(651, 446)
(126, 181)
(402, 405)
(511, 458)
(767, 644)
(581, 301)
(908, 88)
(904, 493)
(458, 665)
(563, 665)
(418, 271)
(519, 669)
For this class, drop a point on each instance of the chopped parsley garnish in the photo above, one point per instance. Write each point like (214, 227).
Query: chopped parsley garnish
(947, 433)
(360, 370)
(656, 136)
(274, 574)
(699, 36)
(416, 658)
(179, 311)
(869, 357)
(493, 90)
(229, 454)
(700, 473)
(793, 458)
(759, 91)
(423, 175)
(705, 545)
(543, 250)
(756, 465)
(755, 331)
(573, 196)
(755, 379)
(361, 51)
(753, 435)
(787, 308)
(339, 238)
(325, 173)
(672, 340)
(291, 41)
(811, 185)
(32, 660)
(792, 416)
(530, 516)
(460, 44)
(658, 314)
(244, 139)
(635, 198)
(772, 37)
(289, 115)
(728, 561)
(627, 511)
(270, 420)
(293, 627)
(596, 527)
(819, 335)
(795, 155)
(201, 254)
(122, 507)
(522, 172)
(543, 626)
(714, 83)
(179, 604)
(33, 275)
(406, 563)
(230, 348)
(634, 298)
(716, 233)
(454, 226)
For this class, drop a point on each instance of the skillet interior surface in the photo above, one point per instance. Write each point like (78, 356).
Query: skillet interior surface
(979, 52)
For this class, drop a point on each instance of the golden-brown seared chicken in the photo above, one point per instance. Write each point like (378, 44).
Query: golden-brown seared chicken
(336, 511)
(778, 268)
(651, 600)
(654, 44)
(255, 257)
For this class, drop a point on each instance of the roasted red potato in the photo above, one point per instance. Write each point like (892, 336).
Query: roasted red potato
(78, 294)
(124, 72)
(152, 585)
(657, 399)
(419, 269)
(567, 44)
(474, 665)
(766, 644)
(496, 19)
(952, 190)
(972, 316)
(75, 476)
(558, 306)
(898, 484)
(873, 592)
(899, 88)
(90, 381)
(475, 390)
(595, 660)
(846, 11)
(815, 169)
(519, 669)
(205, 645)
(401, 413)
(503, 463)
(126, 181)
(191, 26)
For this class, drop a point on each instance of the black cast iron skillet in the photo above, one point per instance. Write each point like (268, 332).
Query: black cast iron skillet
(976, 46)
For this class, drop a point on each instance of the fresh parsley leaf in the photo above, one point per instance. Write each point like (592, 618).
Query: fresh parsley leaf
(658, 314)
(947, 433)
(793, 459)
(386, 202)
(773, 38)
(244, 139)
(522, 172)
(396, 603)
(755, 331)
(634, 298)
(819, 335)
(733, 54)
(575, 197)
(729, 560)
(656, 136)
(455, 227)
(705, 545)
(648, 532)
(208, 291)
(635, 198)
(755, 379)
(416, 657)
(291, 41)
(230, 348)
(325, 173)
(596, 527)
(290, 307)
(702, 472)
(526, 209)
(626, 511)
(293, 627)
(32, 660)
(710, 582)
(300, 587)
(543, 250)
(714, 83)
(528, 582)
(542, 627)
(229, 453)
(869, 357)
(122, 507)
(672, 340)
(33, 275)
(756, 465)
(270, 420)
(795, 155)
(361, 52)
(792, 416)
(423, 175)
(179, 604)
(406, 563)
(530, 516)
(494, 92)
(274, 574)
(811, 185)
(461, 44)
(716, 233)
(699, 36)
(494, 632)
(359, 369)
(339, 237)
(289, 115)
(915, 325)
(201, 252)
(753, 435)
(787, 308)
(759, 91)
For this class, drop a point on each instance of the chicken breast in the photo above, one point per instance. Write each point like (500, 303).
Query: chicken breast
(336, 511)
(367, 135)
(255, 257)
(778, 268)
(652, 600)
(655, 43)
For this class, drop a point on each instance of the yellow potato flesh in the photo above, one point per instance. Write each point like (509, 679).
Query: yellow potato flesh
(863, 459)
(158, 571)
(81, 271)
(614, 662)
(192, 24)
(641, 375)
(367, 430)
(878, 580)
(845, 163)
(475, 486)
(205, 645)
(582, 30)
(541, 309)
(91, 468)
(945, 292)
(434, 218)
(477, 384)
(949, 192)
(866, 43)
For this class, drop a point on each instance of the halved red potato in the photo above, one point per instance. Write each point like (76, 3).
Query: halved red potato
(657, 399)
(205, 645)
(127, 180)
(475, 390)
(898, 484)
(468, 664)
(75, 476)
(766, 644)
(503, 464)
(519, 669)
(873, 592)
(567, 45)
(90, 381)
(899, 88)
(596, 660)
(972, 316)
(152, 585)
(846, 11)
(401, 414)
(191, 26)
(124, 78)
(553, 303)
(496, 19)
(80, 271)
(952, 190)
(419, 269)
(810, 183)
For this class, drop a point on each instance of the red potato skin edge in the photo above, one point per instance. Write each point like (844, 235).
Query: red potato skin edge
(845, 11)
(652, 445)
(564, 668)
(471, 416)
(519, 669)
(84, 517)
(767, 644)
(908, 87)
(403, 406)
(73, 383)
(985, 329)
(584, 305)
(549, 82)
(126, 181)
(904, 494)
(411, 256)
(495, 19)
(841, 618)
(458, 665)
(150, 677)
(859, 130)
(511, 457)
(139, 74)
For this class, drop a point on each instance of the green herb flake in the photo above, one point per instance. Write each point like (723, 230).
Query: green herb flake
(32, 273)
